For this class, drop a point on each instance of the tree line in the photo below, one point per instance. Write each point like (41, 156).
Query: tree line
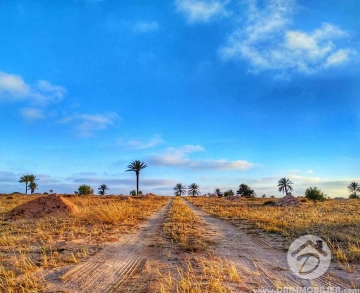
(284, 186)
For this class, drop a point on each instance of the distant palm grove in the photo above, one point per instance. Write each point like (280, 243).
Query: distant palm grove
(284, 186)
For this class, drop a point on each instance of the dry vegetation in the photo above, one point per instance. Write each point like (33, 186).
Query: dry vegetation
(200, 275)
(337, 222)
(30, 244)
(184, 227)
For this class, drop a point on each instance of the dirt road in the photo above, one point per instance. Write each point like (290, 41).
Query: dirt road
(117, 267)
(133, 263)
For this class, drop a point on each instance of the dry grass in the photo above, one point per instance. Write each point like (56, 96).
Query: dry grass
(337, 222)
(184, 227)
(200, 276)
(28, 244)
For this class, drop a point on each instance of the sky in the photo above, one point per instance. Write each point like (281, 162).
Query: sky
(213, 92)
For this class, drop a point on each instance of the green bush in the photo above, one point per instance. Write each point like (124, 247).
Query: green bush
(85, 190)
(315, 194)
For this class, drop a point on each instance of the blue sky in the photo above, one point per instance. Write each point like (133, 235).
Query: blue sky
(214, 92)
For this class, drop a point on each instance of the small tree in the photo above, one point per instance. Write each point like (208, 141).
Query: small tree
(33, 186)
(102, 189)
(85, 190)
(218, 192)
(315, 194)
(245, 190)
(193, 189)
(179, 189)
(354, 188)
(264, 196)
(229, 192)
(133, 192)
(140, 192)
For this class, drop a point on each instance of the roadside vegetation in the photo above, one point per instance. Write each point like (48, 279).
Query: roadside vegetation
(184, 227)
(30, 244)
(337, 222)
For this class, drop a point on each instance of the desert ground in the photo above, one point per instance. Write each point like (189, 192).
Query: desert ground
(168, 244)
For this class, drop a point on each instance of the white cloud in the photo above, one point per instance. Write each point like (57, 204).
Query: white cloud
(141, 144)
(201, 11)
(268, 43)
(146, 26)
(178, 157)
(14, 88)
(86, 125)
(32, 113)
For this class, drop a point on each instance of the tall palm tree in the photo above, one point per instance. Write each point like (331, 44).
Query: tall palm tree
(284, 185)
(27, 179)
(179, 189)
(354, 188)
(32, 186)
(193, 189)
(102, 189)
(136, 166)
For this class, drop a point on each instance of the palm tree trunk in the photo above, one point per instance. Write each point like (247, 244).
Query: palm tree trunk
(26, 187)
(137, 183)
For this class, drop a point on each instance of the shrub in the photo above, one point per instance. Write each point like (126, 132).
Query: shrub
(85, 190)
(315, 194)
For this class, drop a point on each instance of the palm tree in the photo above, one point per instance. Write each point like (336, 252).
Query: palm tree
(32, 186)
(354, 188)
(179, 189)
(102, 189)
(27, 179)
(284, 185)
(136, 166)
(193, 189)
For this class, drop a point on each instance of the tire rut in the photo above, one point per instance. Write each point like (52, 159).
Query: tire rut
(112, 268)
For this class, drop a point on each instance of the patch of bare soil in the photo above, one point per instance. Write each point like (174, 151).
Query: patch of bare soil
(53, 205)
(259, 260)
(129, 265)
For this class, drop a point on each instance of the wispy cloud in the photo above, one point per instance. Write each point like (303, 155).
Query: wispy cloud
(86, 125)
(13, 88)
(268, 43)
(178, 157)
(113, 24)
(145, 26)
(32, 114)
(141, 144)
(201, 11)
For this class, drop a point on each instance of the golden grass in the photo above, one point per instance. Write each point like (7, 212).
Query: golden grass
(28, 244)
(200, 276)
(337, 222)
(184, 227)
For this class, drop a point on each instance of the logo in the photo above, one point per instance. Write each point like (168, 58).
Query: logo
(309, 257)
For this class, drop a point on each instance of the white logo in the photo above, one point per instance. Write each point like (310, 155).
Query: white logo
(309, 257)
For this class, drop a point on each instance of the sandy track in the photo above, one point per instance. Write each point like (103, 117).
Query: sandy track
(261, 264)
(116, 268)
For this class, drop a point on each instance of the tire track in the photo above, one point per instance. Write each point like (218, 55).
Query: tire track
(112, 268)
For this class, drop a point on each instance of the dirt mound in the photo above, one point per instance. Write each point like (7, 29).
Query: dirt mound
(288, 201)
(149, 195)
(53, 205)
